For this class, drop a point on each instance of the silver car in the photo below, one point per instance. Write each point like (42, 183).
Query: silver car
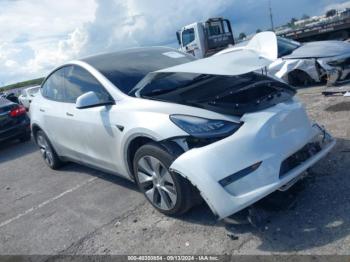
(183, 129)
(302, 64)
(27, 96)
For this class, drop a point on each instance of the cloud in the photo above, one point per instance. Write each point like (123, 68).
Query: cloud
(38, 35)
(121, 24)
(46, 58)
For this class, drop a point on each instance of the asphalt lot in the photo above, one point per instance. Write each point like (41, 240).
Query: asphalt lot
(78, 210)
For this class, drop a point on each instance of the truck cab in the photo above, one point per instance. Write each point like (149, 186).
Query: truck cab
(203, 39)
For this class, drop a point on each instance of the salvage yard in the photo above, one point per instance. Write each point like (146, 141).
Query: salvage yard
(77, 210)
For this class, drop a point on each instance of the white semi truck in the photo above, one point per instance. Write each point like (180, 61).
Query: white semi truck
(203, 39)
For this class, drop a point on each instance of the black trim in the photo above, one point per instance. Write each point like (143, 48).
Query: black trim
(238, 175)
(109, 103)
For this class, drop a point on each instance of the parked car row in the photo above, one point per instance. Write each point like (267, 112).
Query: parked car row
(27, 96)
(14, 122)
(302, 64)
(182, 129)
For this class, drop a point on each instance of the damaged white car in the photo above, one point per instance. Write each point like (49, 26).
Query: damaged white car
(302, 64)
(182, 129)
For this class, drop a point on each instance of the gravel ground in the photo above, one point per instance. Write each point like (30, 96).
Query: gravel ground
(78, 210)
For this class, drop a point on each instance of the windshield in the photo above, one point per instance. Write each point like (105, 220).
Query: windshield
(286, 46)
(163, 83)
(187, 36)
(126, 68)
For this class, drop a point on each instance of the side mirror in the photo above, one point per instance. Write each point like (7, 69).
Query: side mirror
(91, 99)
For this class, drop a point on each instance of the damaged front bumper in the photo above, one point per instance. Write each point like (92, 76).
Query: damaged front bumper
(337, 69)
(239, 170)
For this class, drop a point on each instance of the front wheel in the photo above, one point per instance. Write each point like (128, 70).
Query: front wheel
(168, 192)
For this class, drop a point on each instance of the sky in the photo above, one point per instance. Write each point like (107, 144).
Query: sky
(38, 35)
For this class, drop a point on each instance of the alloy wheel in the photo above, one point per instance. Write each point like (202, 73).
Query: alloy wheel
(45, 149)
(156, 182)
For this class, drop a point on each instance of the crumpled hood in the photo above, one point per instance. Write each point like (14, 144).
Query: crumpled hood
(320, 49)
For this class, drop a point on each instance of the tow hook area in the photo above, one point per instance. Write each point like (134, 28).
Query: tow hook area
(260, 214)
(292, 182)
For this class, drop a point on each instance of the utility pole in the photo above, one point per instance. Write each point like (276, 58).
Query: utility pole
(271, 17)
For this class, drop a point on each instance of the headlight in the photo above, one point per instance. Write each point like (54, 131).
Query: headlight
(204, 128)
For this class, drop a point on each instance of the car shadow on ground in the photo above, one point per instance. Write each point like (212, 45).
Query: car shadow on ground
(116, 179)
(13, 149)
(316, 214)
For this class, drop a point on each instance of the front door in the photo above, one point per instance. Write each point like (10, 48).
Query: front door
(92, 135)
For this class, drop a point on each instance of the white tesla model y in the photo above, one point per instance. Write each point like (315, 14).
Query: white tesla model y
(179, 127)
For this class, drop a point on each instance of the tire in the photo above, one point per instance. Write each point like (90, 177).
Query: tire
(25, 138)
(168, 192)
(299, 78)
(48, 153)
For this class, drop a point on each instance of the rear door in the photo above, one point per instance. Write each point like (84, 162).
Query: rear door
(52, 112)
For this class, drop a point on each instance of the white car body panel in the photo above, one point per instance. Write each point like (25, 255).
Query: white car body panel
(269, 136)
(91, 136)
(248, 61)
(280, 68)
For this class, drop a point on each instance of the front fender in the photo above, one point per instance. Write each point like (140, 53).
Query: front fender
(281, 68)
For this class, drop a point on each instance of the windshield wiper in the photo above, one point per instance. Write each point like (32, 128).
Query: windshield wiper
(159, 91)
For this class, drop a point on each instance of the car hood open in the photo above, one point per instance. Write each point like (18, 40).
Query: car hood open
(320, 49)
(238, 61)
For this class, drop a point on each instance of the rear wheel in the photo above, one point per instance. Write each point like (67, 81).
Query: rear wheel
(299, 78)
(168, 192)
(48, 153)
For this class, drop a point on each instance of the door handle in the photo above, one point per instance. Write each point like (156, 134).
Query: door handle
(41, 110)
(69, 114)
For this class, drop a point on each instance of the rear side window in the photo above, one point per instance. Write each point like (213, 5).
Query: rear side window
(187, 36)
(53, 87)
(78, 81)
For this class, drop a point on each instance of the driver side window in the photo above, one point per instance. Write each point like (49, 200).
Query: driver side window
(78, 81)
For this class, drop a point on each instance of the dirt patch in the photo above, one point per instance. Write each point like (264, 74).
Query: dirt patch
(343, 106)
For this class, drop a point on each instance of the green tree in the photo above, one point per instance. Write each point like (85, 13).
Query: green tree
(331, 12)
(305, 16)
(293, 20)
(242, 36)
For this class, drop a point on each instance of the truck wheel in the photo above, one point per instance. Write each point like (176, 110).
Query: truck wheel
(168, 192)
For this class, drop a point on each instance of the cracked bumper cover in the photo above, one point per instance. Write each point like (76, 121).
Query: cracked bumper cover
(268, 137)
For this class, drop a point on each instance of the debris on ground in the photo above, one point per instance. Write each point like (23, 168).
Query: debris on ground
(232, 236)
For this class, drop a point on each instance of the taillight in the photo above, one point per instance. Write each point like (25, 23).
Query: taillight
(18, 111)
